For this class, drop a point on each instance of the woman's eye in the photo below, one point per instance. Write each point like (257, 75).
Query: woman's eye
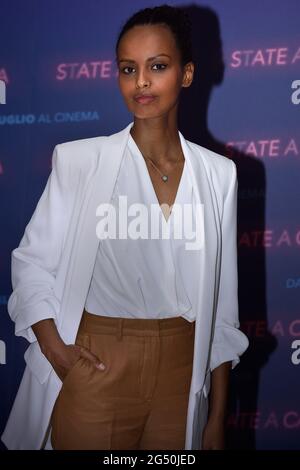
(125, 70)
(160, 66)
(157, 67)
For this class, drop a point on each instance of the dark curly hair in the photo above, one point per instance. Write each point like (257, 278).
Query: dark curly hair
(173, 17)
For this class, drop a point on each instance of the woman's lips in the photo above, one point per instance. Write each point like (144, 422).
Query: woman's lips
(145, 99)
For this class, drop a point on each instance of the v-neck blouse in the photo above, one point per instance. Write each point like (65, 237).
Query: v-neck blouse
(142, 277)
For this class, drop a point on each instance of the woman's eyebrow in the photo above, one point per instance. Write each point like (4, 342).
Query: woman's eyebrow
(149, 58)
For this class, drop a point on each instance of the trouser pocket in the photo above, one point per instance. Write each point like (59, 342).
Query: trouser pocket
(82, 339)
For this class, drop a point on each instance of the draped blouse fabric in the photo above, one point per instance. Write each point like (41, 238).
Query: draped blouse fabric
(142, 277)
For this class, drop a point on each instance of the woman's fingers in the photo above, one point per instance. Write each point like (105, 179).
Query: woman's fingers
(85, 353)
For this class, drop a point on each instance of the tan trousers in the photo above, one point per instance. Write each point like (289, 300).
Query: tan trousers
(140, 400)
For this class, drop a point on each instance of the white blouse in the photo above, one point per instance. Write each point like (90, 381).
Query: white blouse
(142, 277)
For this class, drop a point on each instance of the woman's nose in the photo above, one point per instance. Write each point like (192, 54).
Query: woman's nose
(142, 80)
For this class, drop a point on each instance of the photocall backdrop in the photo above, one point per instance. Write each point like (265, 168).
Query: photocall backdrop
(57, 64)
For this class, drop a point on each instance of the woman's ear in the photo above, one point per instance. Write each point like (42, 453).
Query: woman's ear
(188, 74)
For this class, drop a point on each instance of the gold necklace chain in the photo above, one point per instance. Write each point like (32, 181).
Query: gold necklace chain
(164, 177)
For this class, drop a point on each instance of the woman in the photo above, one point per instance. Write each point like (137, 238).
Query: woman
(152, 320)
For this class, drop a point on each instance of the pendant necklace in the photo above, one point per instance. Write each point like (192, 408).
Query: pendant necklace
(163, 176)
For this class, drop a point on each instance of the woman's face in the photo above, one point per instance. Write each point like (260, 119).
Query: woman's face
(149, 63)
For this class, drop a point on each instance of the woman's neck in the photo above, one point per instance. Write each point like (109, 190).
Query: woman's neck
(157, 139)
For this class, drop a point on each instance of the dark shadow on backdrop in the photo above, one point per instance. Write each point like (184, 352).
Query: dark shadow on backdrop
(193, 114)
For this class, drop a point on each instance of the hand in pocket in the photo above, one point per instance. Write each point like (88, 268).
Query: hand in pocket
(64, 357)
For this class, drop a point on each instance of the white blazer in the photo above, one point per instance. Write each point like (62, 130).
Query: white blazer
(54, 263)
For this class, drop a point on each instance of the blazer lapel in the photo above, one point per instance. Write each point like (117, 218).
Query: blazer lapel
(86, 245)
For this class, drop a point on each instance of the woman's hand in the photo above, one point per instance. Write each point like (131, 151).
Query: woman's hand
(63, 357)
(214, 435)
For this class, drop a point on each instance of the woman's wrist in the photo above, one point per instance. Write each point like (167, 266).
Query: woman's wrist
(47, 336)
(52, 348)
